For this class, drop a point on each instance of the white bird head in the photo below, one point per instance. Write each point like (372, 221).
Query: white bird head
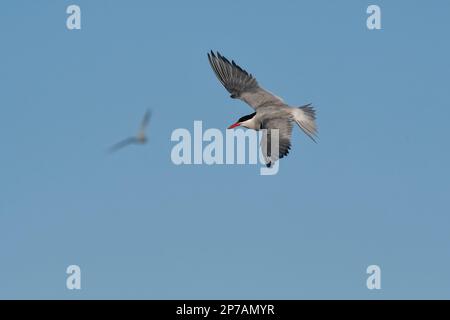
(247, 121)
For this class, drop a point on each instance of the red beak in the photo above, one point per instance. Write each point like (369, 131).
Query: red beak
(237, 124)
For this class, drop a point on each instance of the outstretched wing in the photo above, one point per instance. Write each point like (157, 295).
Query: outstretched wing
(123, 144)
(145, 120)
(240, 83)
(284, 127)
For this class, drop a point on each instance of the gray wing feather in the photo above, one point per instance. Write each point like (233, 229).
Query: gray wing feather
(123, 144)
(235, 79)
(284, 126)
(240, 83)
(145, 119)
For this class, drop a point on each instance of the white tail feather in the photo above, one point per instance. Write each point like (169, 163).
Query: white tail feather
(305, 117)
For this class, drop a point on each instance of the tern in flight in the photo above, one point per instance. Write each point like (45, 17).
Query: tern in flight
(140, 138)
(271, 112)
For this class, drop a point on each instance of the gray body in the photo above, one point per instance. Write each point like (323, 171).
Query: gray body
(271, 112)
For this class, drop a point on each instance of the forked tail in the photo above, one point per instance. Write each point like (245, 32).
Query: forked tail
(305, 117)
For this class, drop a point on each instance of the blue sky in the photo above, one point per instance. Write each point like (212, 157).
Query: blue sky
(374, 190)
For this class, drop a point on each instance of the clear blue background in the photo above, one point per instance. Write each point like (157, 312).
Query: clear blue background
(374, 190)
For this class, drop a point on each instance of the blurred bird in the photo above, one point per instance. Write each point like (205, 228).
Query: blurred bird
(140, 138)
(271, 112)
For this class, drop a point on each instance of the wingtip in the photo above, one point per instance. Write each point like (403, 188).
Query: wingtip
(213, 54)
(218, 55)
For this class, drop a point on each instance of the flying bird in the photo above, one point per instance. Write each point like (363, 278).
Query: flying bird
(140, 138)
(271, 112)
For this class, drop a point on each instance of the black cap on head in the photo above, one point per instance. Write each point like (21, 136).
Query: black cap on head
(247, 117)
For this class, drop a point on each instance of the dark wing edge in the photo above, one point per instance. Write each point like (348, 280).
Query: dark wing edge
(284, 127)
(235, 79)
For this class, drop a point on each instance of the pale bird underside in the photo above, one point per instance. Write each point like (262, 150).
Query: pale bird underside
(271, 112)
